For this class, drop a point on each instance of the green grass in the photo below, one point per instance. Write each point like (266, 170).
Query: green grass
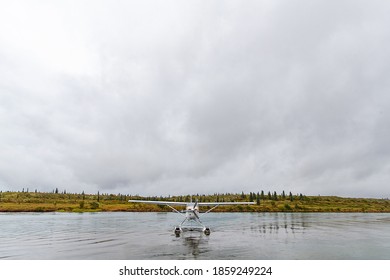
(60, 202)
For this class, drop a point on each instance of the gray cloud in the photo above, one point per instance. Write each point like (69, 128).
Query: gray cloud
(175, 98)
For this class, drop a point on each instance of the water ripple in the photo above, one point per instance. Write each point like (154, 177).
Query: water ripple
(234, 236)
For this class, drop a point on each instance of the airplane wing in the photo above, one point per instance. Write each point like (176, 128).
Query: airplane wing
(174, 203)
(224, 203)
(185, 203)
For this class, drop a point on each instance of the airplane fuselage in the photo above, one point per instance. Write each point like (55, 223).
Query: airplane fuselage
(190, 211)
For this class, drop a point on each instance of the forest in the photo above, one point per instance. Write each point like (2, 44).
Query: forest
(266, 201)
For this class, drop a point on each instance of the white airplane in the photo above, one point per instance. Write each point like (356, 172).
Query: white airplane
(191, 213)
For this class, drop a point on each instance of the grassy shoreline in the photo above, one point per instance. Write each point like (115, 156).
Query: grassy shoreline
(78, 203)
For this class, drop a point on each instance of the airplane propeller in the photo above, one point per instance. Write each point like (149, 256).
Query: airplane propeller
(194, 209)
(196, 214)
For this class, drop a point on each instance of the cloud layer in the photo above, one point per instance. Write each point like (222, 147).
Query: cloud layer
(173, 97)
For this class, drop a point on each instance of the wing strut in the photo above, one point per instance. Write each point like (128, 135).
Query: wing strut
(175, 209)
(210, 210)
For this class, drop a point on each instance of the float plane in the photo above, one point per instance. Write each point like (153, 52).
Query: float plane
(191, 213)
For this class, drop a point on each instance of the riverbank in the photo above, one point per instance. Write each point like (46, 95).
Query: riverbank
(62, 202)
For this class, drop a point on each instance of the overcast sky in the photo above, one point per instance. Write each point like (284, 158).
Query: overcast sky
(182, 97)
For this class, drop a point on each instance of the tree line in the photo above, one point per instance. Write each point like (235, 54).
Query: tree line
(216, 197)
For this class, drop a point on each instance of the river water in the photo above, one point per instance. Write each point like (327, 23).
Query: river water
(148, 236)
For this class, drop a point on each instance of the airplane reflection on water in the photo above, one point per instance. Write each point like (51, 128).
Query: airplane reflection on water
(195, 241)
